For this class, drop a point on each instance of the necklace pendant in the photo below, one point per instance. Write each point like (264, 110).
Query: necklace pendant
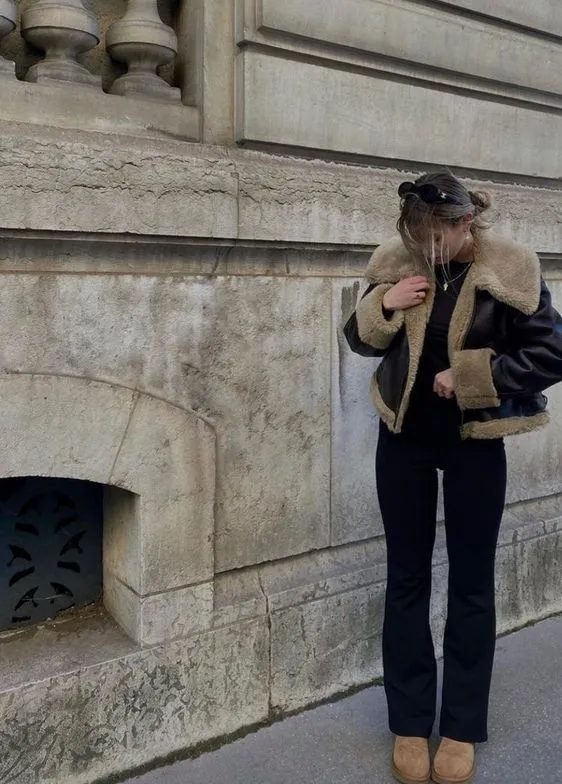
(445, 286)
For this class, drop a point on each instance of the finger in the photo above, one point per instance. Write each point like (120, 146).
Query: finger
(416, 283)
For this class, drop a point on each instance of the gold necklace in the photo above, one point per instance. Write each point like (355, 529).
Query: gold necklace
(447, 283)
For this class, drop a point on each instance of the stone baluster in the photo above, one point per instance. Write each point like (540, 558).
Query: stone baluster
(62, 29)
(7, 24)
(142, 41)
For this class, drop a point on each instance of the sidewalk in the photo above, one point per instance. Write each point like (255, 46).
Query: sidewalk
(347, 742)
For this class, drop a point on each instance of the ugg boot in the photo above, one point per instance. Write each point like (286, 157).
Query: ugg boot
(410, 760)
(453, 763)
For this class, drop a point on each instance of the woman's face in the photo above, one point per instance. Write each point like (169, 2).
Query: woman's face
(445, 241)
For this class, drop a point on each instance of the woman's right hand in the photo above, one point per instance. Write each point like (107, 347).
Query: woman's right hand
(406, 293)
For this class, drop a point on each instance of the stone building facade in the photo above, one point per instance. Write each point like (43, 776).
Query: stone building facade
(185, 213)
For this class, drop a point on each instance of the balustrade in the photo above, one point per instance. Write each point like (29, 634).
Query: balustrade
(60, 31)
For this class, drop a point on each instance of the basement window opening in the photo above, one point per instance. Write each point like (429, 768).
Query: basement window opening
(51, 547)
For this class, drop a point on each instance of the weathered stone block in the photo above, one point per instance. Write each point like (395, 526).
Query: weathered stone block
(151, 620)
(325, 646)
(258, 363)
(237, 596)
(528, 576)
(534, 460)
(115, 716)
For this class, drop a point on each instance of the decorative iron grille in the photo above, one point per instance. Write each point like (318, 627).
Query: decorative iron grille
(51, 547)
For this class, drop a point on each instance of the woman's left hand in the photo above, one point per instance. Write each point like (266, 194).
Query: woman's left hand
(444, 384)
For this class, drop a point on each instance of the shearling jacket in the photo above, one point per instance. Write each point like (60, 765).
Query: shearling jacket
(504, 342)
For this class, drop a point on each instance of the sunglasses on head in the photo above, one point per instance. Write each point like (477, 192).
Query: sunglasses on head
(428, 193)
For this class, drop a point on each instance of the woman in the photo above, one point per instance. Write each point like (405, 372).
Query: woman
(469, 340)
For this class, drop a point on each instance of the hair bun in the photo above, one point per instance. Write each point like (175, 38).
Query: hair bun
(481, 199)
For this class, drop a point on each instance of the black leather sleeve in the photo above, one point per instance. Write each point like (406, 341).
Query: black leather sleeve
(351, 333)
(533, 361)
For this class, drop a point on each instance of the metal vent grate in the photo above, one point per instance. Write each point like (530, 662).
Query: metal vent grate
(51, 547)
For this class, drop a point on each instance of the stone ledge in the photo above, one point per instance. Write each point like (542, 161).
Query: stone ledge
(62, 181)
(86, 108)
(76, 639)
(118, 254)
(542, 15)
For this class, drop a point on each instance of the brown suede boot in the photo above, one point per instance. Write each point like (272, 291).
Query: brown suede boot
(453, 763)
(410, 760)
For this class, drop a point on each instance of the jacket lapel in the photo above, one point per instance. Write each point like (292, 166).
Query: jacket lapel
(509, 272)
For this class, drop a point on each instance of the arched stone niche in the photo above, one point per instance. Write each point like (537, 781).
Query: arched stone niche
(157, 463)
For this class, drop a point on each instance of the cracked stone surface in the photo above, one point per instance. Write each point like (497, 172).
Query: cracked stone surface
(76, 181)
(80, 182)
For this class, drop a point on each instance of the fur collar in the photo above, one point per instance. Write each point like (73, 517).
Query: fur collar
(508, 271)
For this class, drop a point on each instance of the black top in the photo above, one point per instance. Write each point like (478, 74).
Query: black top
(428, 414)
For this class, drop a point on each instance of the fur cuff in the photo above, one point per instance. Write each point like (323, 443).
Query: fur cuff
(500, 428)
(373, 327)
(472, 373)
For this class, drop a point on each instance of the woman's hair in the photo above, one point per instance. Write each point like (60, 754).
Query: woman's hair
(434, 198)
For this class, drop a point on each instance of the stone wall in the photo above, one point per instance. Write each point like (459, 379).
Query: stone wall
(171, 328)
(404, 81)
